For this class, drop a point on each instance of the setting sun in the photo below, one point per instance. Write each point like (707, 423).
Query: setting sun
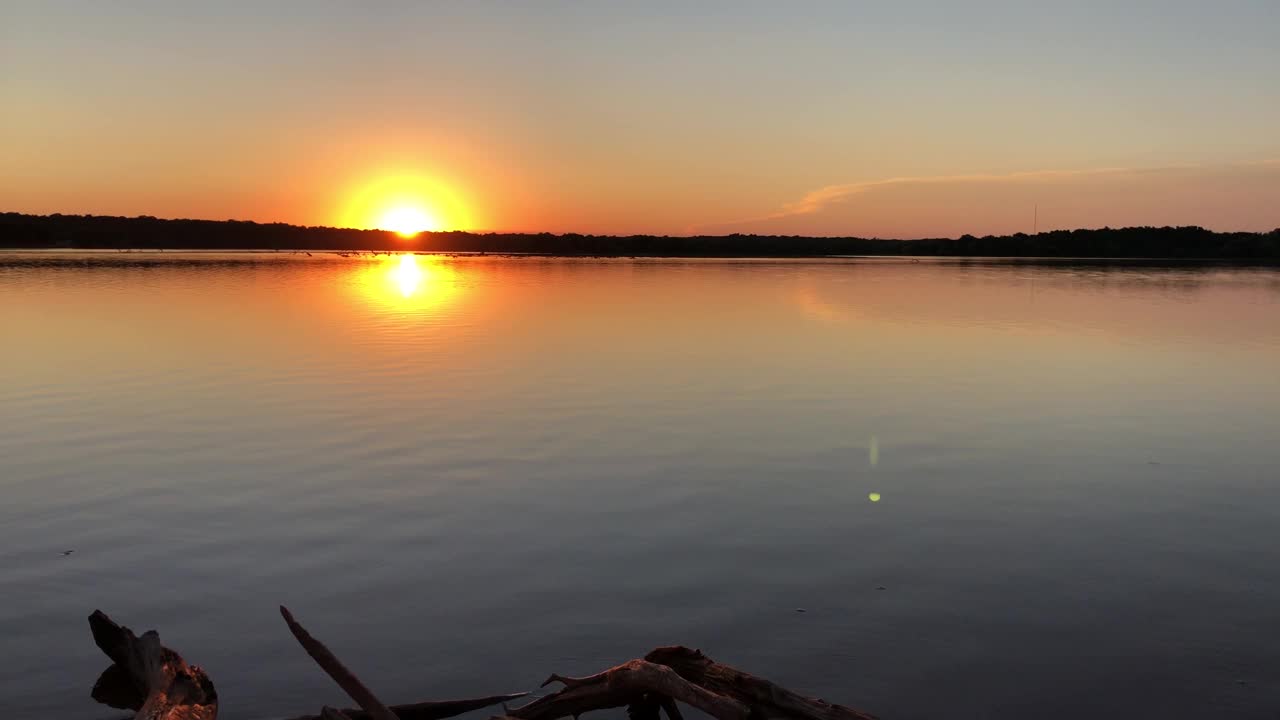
(408, 221)
(406, 204)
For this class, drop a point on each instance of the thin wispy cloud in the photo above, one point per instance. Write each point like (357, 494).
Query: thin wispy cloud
(966, 195)
(818, 199)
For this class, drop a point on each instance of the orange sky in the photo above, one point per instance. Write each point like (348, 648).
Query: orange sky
(876, 119)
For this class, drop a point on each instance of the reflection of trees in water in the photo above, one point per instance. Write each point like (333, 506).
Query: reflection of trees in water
(888, 293)
(1166, 281)
(1103, 275)
(135, 261)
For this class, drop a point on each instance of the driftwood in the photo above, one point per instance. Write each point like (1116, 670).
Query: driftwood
(638, 684)
(372, 708)
(336, 670)
(161, 686)
(164, 686)
(764, 698)
(679, 673)
(433, 710)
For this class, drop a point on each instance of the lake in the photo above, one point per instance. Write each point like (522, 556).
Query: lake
(926, 489)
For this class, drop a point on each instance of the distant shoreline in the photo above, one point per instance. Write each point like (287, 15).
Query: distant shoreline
(1138, 245)
(11, 256)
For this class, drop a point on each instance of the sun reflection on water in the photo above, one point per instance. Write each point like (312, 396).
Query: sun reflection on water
(407, 283)
(407, 276)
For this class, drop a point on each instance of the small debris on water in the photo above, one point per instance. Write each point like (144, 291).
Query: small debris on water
(880, 587)
(801, 610)
(67, 552)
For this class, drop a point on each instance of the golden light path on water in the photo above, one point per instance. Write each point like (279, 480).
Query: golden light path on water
(407, 275)
(407, 283)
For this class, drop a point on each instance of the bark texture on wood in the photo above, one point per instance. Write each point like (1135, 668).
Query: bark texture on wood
(766, 699)
(164, 686)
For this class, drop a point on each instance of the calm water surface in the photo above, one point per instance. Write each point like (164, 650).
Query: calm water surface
(468, 475)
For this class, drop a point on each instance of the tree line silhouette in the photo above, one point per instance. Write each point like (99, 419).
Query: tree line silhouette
(19, 230)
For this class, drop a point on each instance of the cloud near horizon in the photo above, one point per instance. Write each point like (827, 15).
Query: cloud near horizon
(1243, 196)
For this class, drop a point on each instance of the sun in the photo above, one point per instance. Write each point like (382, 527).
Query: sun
(407, 221)
(404, 203)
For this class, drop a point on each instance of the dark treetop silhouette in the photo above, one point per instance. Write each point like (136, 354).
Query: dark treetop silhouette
(100, 232)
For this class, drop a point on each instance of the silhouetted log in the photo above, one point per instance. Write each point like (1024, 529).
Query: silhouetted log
(765, 699)
(633, 683)
(115, 688)
(365, 698)
(668, 674)
(437, 710)
(148, 677)
(336, 670)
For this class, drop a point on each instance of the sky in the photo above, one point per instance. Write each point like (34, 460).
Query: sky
(910, 118)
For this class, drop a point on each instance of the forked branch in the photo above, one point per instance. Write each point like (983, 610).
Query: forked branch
(626, 684)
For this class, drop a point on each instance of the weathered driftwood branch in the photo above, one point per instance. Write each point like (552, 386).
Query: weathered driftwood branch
(679, 673)
(365, 698)
(765, 698)
(156, 682)
(328, 662)
(434, 710)
(631, 684)
(164, 686)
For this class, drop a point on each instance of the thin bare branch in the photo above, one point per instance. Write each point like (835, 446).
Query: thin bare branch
(435, 710)
(336, 670)
(572, 682)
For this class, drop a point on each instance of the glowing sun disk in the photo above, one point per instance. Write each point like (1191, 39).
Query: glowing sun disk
(407, 221)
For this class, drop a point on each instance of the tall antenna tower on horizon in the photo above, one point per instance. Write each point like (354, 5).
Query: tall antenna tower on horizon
(1035, 224)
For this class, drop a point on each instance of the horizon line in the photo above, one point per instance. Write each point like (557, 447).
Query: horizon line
(228, 221)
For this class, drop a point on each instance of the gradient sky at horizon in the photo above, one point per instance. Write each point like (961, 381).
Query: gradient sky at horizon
(896, 119)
